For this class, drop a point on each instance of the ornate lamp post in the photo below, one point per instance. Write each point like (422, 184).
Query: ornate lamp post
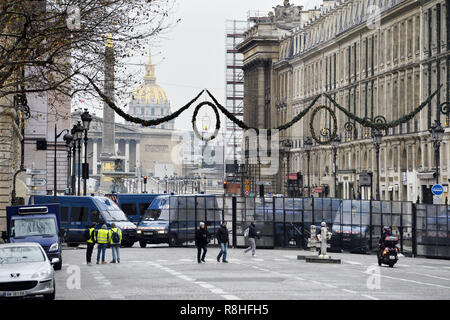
(437, 134)
(68, 139)
(335, 144)
(287, 145)
(86, 118)
(54, 162)
(308, 143)
(78, 135)
(377, 135)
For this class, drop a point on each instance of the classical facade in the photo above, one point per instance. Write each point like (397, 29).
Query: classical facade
(375, 58)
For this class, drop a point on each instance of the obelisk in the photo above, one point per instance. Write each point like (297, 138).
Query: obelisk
(108, 153)
(108, 134)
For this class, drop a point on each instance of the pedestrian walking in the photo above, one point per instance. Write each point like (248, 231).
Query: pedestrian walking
(223, 239)
(102, 239)
(90, 241)
(252, 235)
(201, 241)
(115, 238)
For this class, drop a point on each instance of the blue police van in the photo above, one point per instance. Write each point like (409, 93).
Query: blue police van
(79, 212)
(173, 219)
(36, 223)
(133, 205)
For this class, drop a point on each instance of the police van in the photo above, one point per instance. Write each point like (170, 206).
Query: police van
(79, 212)
(133, 205)
(173, 219)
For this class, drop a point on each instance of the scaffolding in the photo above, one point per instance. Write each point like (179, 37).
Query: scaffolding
(234, 93)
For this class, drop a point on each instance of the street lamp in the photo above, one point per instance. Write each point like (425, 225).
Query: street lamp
(308, 143)
(287, 145)
(68, 139)
(335, 144)
(78, 135)
(86, 118)
(377, 135)
(54, 163)
(437, 134)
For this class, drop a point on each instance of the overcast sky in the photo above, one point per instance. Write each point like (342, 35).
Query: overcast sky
(191, 56)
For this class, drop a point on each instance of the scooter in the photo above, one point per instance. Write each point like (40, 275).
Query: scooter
(389, 255)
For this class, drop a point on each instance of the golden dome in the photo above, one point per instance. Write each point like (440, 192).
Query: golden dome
(149, 92)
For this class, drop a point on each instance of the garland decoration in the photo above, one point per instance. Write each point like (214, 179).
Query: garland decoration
(145, 123)
(325, 132)
(194, 119)
(384, 125)
(378, 123)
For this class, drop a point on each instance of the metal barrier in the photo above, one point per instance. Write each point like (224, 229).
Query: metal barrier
(285, 222)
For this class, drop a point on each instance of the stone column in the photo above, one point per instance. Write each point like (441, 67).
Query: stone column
(138, 156)
(94, 157)
(127, 155)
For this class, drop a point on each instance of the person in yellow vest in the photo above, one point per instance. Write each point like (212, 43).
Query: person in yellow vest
(90, 242)
(102, 239)
(115, 236)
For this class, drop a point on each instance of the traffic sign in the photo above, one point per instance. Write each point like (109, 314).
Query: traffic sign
(36, 171)
(263, 183)
(437, 189)
(38, 192)
(246, 193)
(36, 182)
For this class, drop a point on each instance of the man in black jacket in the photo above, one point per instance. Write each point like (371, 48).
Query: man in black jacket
(222, 238)
(201, 241)
(252, 235)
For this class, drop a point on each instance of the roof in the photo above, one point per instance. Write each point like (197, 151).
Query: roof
(20, 244)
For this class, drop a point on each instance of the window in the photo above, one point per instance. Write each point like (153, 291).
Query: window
(79, 214)
(129, 209)
(64, 214)
(153, 111)
(143, 207)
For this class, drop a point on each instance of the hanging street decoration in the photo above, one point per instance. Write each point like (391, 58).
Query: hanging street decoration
(378, 123)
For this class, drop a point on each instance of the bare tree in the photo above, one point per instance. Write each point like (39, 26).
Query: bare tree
(59, 45)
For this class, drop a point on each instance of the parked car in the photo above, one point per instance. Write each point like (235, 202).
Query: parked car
(25, 271)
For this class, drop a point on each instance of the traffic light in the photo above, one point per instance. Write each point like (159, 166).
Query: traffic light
(225, 185)
(145, 179)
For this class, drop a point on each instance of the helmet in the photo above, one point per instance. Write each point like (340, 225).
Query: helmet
(386, 229)
(323, 224)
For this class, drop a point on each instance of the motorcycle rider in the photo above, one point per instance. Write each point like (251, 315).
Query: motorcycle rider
(386, 233)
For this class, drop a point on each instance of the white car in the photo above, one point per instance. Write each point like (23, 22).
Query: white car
(26, 271)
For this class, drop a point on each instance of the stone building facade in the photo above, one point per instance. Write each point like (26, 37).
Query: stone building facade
(10, 155)
(374, 58)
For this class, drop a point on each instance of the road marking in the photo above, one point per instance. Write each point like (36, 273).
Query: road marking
(162, 260)
(186, 260)
(349, 291)
(291, 257)
(418, 282)
(298, 278)
(281, 260)
(203, 284)
(329, 285)
(429, 275)
(217, 291)
(230, 297)
(257, 259)
(185, 278)
(370, 297)
(352, 262)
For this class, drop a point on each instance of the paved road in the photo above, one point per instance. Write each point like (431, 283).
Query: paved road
(160, 273)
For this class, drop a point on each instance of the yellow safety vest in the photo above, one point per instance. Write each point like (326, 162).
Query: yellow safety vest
(102, 236)
(112, 231)
(90, 235)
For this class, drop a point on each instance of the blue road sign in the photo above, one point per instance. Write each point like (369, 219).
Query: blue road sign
(437, 189)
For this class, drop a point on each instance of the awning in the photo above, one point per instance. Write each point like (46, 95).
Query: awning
(425, 175)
